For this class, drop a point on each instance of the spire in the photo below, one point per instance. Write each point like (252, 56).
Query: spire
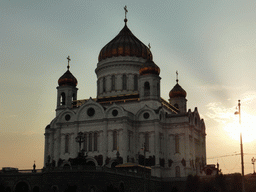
(126, 11)
(67, 78)
(68, 58)
(177, 90)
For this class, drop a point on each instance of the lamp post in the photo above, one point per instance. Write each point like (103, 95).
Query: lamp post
(80, 139)
(144, 149)
(241, 144)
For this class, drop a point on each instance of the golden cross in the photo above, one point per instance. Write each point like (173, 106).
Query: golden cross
(68, 58)
(125, 9)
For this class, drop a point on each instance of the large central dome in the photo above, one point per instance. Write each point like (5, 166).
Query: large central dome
(125, 44)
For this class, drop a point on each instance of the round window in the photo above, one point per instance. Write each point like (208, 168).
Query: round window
(67, 117)
(90, 112)
(146, 115)
(115, 112)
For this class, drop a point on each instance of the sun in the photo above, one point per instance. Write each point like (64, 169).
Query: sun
(247, 127)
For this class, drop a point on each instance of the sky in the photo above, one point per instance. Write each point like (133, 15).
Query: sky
(211, 43)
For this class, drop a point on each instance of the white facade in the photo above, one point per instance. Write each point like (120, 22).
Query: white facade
(127, 115)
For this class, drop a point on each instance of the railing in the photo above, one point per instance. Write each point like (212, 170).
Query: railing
(21, 171)
(30, 171)
(80, 168)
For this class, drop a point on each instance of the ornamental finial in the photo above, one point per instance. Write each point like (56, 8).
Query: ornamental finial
(126, 11)
(177, 80)
(68, 58)
(149, 46)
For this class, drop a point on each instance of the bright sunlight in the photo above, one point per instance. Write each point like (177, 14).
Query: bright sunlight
(247, 127)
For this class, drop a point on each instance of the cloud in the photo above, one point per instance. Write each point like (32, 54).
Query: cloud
(12, 116)
(219, 113)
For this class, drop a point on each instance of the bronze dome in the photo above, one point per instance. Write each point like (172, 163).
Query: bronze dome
(177, 91)
(149, 68)
(125, 44)
(67, 79)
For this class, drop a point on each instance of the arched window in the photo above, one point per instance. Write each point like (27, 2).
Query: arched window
(66, 143)
(113, 83)
(62, 99)
(177, 171)
(22, 186)
(90, 142)
(146, 89)
(158, 89)
(104, 84)
(73, 97)
(114, 140)
(95, 141)
(129, 140)
(177, 144)
(160, 142)
(85, 142)
(135, 82)
(124, 82)
(98, 87)
(146, 142)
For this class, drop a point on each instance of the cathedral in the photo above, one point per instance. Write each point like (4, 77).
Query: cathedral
(128, 123)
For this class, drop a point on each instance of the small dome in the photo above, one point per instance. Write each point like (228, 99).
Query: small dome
(125, 44)
(149, 67)
(67, 79)
(177, 91)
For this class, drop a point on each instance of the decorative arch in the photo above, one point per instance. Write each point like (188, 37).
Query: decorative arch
(66, 164)
(146, 113)
(23, 186)
(91, 159)
(90, 110)
(61, 117)
(110, 111)
(114, 164)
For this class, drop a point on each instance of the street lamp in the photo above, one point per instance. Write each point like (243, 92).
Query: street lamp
(144, 149)
(80, 139)
(241, 144)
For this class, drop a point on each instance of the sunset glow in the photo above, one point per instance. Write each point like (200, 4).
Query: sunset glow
(210, 43)
(247, 128)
